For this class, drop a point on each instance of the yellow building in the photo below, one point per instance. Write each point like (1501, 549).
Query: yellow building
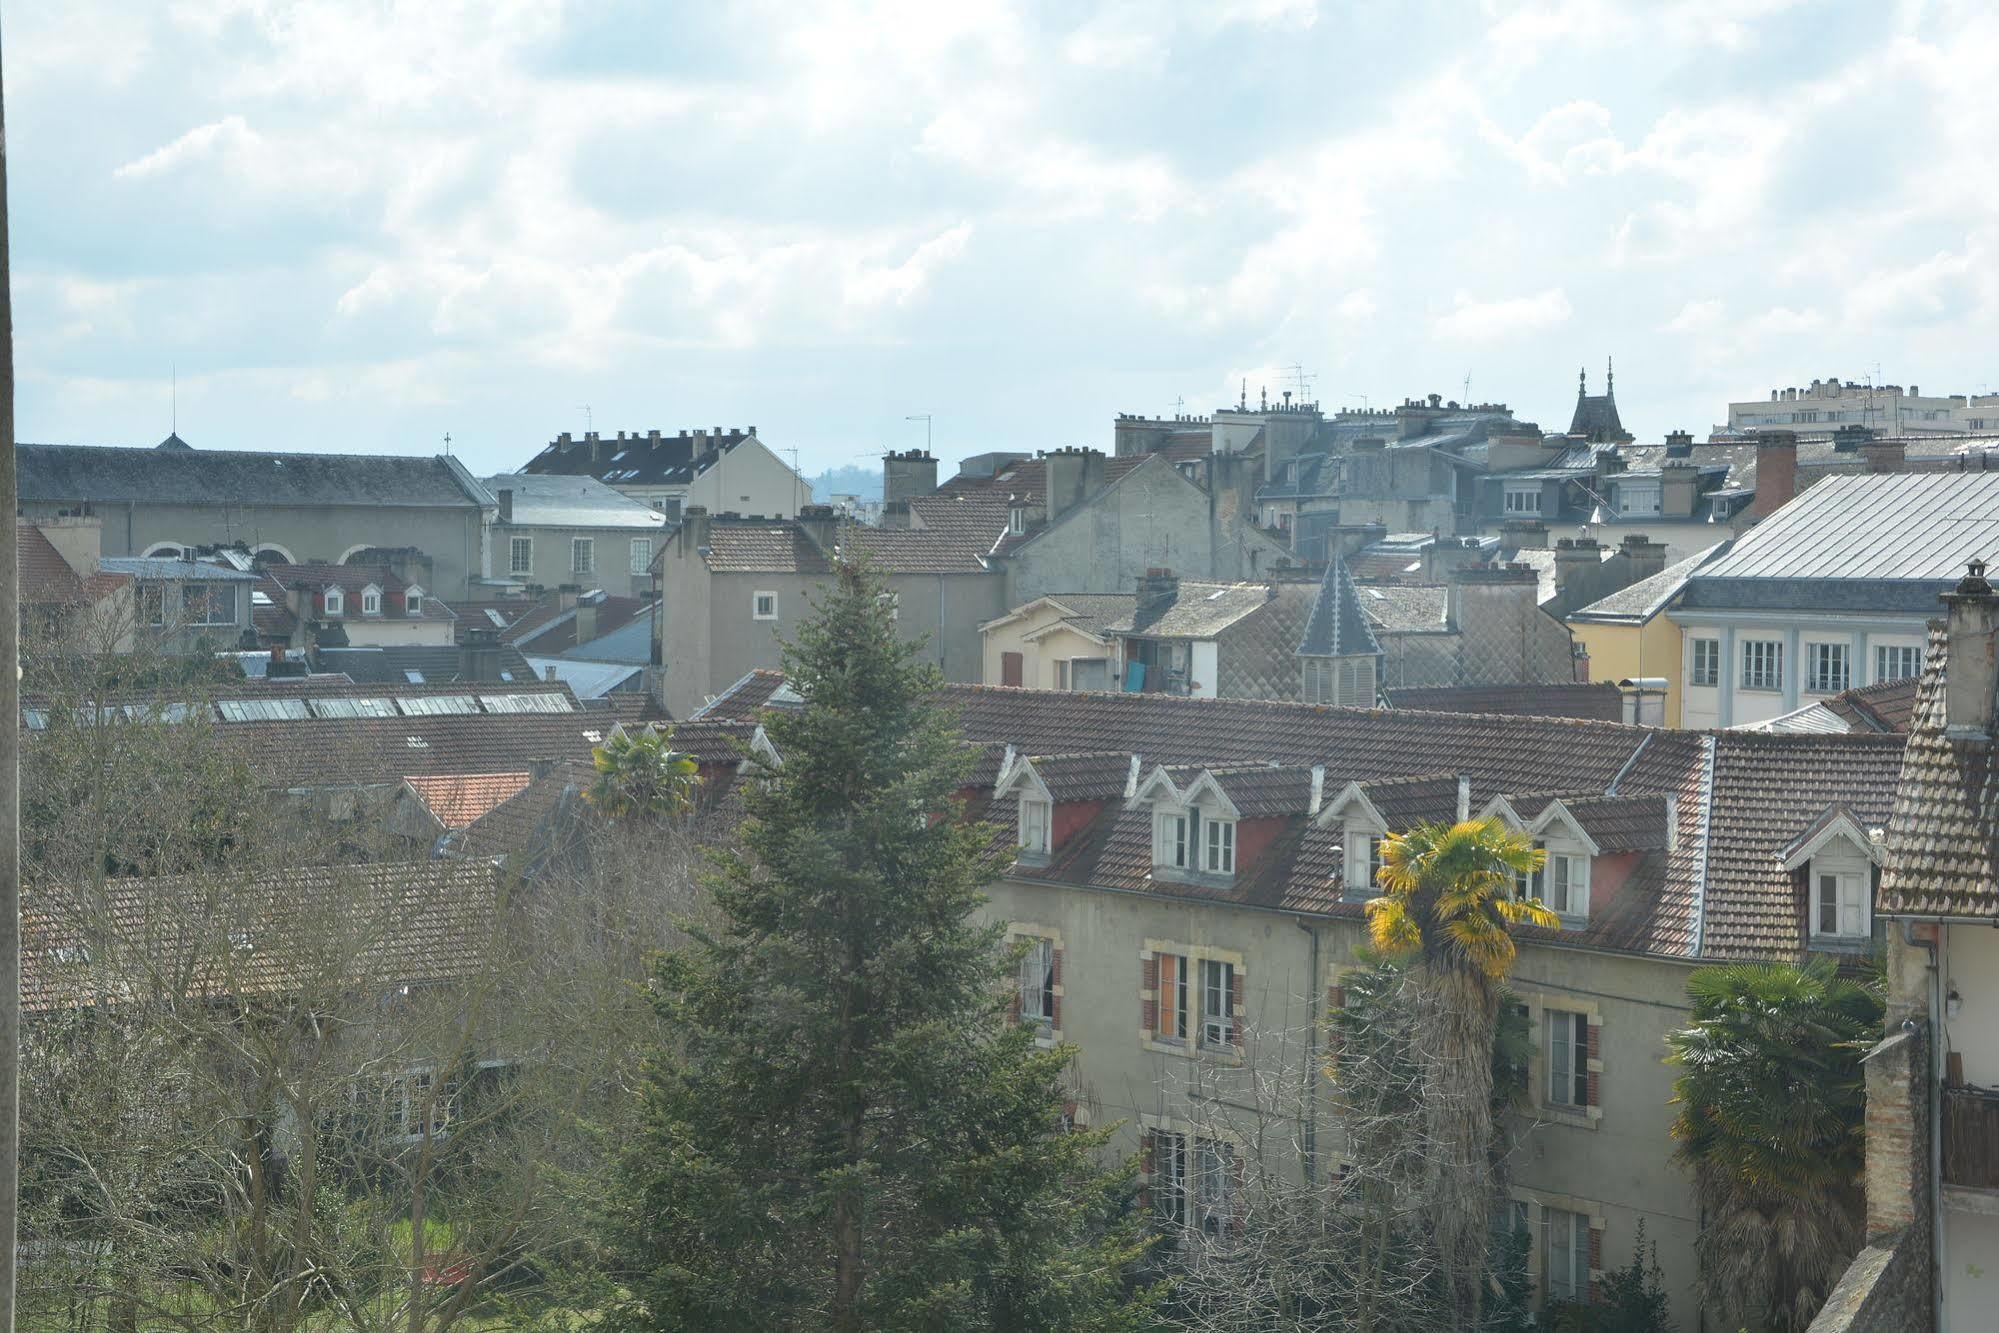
(1057, 642)
(1629, 636)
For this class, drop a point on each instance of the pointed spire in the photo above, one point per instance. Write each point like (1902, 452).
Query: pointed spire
(1609, 378)
(1582, 382)
(1337, 626)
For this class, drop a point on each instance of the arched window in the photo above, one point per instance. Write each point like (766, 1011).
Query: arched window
(166, 551)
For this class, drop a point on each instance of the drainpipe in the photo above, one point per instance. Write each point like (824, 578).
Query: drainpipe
(1938, 1320)
(1310, 1147)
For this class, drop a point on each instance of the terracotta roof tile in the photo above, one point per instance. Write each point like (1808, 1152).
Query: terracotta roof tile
(1943, 833)
(456, 799)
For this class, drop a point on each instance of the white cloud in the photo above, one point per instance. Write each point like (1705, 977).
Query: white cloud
(1697, 317)
(1488, 321)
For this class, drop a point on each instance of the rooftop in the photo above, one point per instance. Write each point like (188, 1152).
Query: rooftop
(68, 473)
(561, 500)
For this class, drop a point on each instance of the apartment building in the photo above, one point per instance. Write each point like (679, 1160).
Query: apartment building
(553, 530)
(721, 469)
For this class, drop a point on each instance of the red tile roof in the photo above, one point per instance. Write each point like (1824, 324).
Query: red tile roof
(1943, 833)
(457, 799)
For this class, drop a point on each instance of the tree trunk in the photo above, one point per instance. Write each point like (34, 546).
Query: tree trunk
(1459, 1017)
(10, 792)
(846, 1310)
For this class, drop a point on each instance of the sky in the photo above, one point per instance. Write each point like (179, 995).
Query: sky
(361, 227)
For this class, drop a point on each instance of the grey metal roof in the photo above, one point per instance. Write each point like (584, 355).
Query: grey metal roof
(1640, 601)
(557, 501)
(147, 567)
(586, 680)
(1337, 626)
(55, 473)
(1916, 527)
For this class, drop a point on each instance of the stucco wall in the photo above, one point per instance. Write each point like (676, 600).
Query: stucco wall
(1618, 1166)
(1038, 658)
(1631, 652)
(1728, 704)
(553, 557)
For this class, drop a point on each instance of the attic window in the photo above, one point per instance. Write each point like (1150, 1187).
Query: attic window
(371, 601)
(413, 601)
(499, 621)
(1016, 521)
(1218, 593)
(1034, 827)
(413, 677)
(335, 603)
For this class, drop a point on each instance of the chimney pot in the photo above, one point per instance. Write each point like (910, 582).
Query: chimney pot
(1973, 622)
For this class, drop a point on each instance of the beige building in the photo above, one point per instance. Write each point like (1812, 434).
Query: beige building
(1191, 920)
(1823, 406)
(723, 470)
(551, 530)
(298, 508)
(731, 587)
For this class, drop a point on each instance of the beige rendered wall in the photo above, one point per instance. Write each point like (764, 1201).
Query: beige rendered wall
(1631, 652)
(1617, 1167)
(1038, 657)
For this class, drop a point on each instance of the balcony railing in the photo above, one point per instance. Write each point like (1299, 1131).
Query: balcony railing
(1971, 1138)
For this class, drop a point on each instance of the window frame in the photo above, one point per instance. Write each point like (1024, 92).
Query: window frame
(1521, 493)
(1901, 652)
(413, 600)
(1366, 840)
(516, 546)
(641, 563)
(153, 605)
(1560, 868)
(1768, 655)
(1704, 674)
(1175, 838)
(1179, 1009)
(1217, 846)
(371, 601)
(335, 602)
(1036, 985)
(1215, 1166)
(756, 604)
(199, 600)
(1574, 1285)
(1170, 1154)
(1856, 874)
(1571, 1075)
(1034, 825)
(583, 555)
(1820, 656)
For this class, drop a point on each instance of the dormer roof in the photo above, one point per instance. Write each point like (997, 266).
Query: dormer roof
(1395, 804)
(1337, 626)
(1835, 824)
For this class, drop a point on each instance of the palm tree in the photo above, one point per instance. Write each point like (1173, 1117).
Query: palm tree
(1771, 1098)
(1449, 896)
(641, 776)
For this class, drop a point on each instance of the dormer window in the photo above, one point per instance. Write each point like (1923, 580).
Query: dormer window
(1173, 833)
(335, 603)
(1562, 882)
(1363, 861)
(1219, 843)
(1837, 855)
(371, 601)
(1034, 828)
(413, 601)
(1016, 520)
(1839, 902)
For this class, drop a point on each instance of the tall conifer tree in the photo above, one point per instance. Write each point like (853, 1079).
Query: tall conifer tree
(849, 1132)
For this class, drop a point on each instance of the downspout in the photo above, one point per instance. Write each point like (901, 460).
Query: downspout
(1310, 1147)
(1935, 1097)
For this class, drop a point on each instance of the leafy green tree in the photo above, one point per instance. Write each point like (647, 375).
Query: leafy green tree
(641, 776)
(1448, 898)
(848, 1132)
(1771, 1098)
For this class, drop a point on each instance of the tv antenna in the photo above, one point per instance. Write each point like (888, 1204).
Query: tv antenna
(923, 417)
(1467, 398)
(589, 421)
(1302, 380)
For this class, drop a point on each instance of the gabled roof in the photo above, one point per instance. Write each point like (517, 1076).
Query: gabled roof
(456, 799)
(781, 546)
(1397, 804)
(205, 478)
(1836, 822)
(1102, 776)
(1638, 602)
(1197, 611)
(1338, 626)
(46, 579)
(749, 695)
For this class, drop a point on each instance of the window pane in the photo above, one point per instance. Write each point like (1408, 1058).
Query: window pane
(1828, 905)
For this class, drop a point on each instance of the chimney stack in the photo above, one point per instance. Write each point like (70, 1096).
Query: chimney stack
(1776, 472)
(506, 497)
(1679, 444)
(1524, 534)
(1972, 672)
(821, 524)
(908, 476)
(1643, 556)
(1885, 455)
(1069, 477)
(479, 655)
(694, 526)
(1157, 590)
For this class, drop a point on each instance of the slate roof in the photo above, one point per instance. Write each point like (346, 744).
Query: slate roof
(554, 500)
(752, 546)
(1636, 603)
(637, 460)
(205, 478)
(976, 518)
(1767, 790)
(1601, 700)
(1099, 776)
(1888, 542)
(747, 696)
(1198, 611)
(1405, 608)
(456, 799)
(1337, 625)
(1709, 884)
(164, 570)
(1943, 834)
(557, 633)
(433, 665)
(420, 922)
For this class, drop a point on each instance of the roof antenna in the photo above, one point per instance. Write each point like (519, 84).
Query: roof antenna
(173, 398)
(589, 421)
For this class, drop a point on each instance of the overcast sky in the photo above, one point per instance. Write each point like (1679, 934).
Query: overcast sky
(357, 227)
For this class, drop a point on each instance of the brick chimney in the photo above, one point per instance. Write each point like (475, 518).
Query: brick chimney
(1157, 589)
(1885, 455)
(1973, 672)
(1070, 476)
(1679, 444)
(908, 476)
(1776, 472)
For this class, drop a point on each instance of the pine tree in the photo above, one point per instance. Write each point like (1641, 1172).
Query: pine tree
(850, 1132)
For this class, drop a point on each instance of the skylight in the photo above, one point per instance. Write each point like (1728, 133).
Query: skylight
(545, 702)
(262, 710)
(413, 677)
(437, 705)
(499, 621)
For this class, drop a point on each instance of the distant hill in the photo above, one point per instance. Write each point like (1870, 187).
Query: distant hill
(853, 479)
